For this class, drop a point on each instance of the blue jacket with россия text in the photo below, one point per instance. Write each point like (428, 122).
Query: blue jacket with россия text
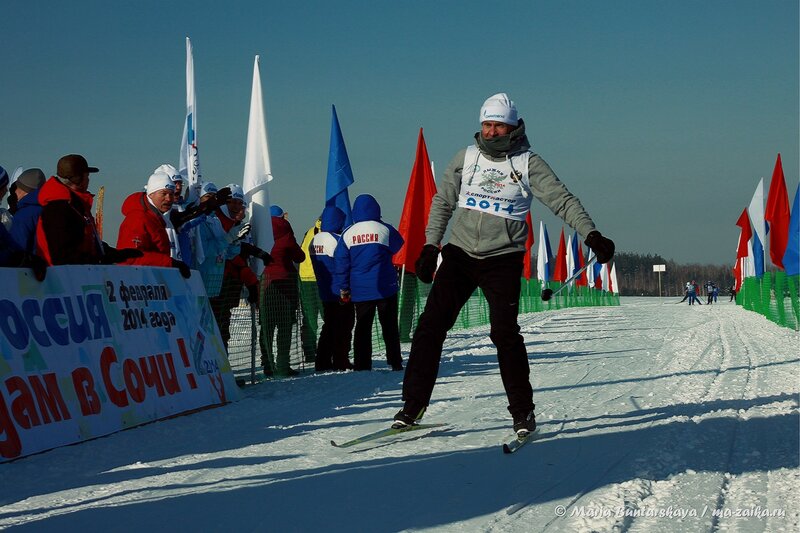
(322, 249)
(363, 258)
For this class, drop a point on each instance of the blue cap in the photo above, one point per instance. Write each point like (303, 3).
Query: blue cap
(276, 211)
(3, 178)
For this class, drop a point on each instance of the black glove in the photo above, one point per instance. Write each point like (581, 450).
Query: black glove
(223, 195)
(426, 263)
(38, 265)
(248, 250)
(118, 255)
(186, 272)
(219, 198)
(602, 247)
(34, 262)
(252, 293)
(344, 296)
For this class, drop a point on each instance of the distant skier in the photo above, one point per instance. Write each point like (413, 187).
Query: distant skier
(692, 292)
(710, 287)
(686, 292)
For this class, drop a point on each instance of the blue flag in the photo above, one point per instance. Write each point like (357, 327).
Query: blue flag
(758, 255)
(340, 175)
(791, 258)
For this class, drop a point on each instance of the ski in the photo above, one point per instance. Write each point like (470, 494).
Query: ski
(516, 443)
(389, 432)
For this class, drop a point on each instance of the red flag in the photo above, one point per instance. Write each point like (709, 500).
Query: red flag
(419, 194)
(746, 234)
(582, 280)
(777, 215)
(526, 266)
(560, 271)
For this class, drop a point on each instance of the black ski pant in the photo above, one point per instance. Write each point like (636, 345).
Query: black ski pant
(457, 278)
(362, 338)
(333, 350)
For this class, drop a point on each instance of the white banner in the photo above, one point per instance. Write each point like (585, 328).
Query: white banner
(93, 350)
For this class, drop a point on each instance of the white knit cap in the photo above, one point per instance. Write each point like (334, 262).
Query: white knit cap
(237, 193)
(170, 171)
(499, 108)
(160, 180)
(208, 188)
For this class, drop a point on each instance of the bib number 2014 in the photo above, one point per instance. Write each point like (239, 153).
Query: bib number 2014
(486, 205)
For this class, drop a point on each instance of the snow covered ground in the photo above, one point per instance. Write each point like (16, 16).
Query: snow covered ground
(653, 417)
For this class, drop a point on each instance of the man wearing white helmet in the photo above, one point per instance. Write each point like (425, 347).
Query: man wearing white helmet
(186, 217)
(236, 272)
(487, 190)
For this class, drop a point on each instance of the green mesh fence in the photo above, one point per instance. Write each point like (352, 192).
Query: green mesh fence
(774, 295)
(281, 331)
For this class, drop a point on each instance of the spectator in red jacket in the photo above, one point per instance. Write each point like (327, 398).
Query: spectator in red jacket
(145, 227)
(66, 233)
(280, 298)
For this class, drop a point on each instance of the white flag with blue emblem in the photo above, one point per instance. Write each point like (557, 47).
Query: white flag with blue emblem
(189, 160)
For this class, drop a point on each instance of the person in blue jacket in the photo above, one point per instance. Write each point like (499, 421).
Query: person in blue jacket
(333, 347)
(365, 274)
(26, 217)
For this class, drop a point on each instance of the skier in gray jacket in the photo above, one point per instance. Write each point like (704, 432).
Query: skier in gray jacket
(487, 191)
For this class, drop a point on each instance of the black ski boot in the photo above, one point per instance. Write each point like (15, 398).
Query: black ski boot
(524, 424)
(403, 419)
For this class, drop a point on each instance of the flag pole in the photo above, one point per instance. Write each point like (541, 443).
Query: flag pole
(402, 296)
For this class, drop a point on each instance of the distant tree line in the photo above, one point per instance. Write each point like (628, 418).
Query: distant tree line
(636, 277)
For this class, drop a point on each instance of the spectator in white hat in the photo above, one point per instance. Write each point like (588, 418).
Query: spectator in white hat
(145, 227)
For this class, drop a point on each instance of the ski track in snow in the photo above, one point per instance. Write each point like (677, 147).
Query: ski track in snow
(653, 417)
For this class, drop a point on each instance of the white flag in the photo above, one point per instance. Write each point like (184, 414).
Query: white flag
(257, 173)
(542, 258)
(189, 160)
(614, 285)
(604, 277)
(570, 260)
(759, 239)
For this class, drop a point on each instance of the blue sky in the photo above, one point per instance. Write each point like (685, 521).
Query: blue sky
(661, 116)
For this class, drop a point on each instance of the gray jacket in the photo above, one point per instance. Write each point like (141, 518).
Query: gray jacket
(482, 234)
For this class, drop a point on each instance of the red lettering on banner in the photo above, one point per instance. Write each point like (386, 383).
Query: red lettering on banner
(154, 371)
(133, 380)
(24, 397)
(167, 372)
(83, 382)
(117, 397)
(49, 398)
(10, 445)
(150, 373)
(185, 357)
(22, 407)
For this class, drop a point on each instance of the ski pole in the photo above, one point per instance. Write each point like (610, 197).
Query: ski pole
(549, 293)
